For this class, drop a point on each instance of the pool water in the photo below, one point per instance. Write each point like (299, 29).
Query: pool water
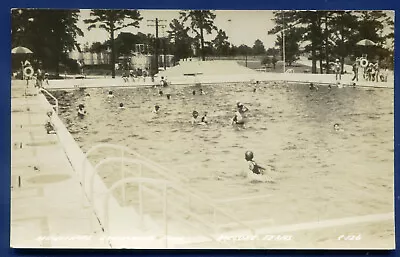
(318, 173)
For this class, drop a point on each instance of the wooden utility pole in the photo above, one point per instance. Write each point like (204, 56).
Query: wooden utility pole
(156, 47)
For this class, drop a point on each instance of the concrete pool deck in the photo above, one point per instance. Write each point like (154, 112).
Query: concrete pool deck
(42, 215)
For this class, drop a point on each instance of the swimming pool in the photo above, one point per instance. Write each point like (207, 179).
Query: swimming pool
(319, 173)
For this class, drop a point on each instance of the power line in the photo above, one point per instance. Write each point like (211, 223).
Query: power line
(156, 25)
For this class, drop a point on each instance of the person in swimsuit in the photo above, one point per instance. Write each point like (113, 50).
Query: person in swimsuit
(237, 119)
(194, 120)
(241, 108)
(81, 111)
(253, 166)
(49, 126)
(204, 119)
(338, 70)
(156, 109)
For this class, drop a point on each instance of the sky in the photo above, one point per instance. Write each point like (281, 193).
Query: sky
(242, 27)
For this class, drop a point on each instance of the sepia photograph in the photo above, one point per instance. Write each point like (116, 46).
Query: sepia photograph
(202, 129)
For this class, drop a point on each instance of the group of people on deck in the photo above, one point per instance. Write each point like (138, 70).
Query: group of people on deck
(371, 71)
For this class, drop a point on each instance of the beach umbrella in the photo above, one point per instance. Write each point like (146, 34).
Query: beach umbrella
(366, 42)
(21, 50)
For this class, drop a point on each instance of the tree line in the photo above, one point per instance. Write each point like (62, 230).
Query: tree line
(51, 34)
(328, 35)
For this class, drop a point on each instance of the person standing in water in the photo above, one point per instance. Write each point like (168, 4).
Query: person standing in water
(253, 166)
(81, 111)
(241, 108)
(156, 109)
(204, 119)
(194, 120)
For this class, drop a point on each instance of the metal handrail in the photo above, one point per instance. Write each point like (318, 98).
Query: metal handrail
(140, 181)
(166, 186)
(166, 174)
(140, 163)
(55, 99)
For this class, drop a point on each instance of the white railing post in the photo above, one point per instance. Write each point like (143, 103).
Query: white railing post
(165, 215)
(123, 189)
(141, 202)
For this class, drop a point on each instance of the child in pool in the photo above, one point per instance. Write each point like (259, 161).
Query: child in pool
(337, 127)
(204, 119)
(81, 111)
(237, 119)
(255, 172)
(156, 109)
(253, 166)
(202, 92)
(49, 126)
(194, 120)
(121, 106)
(241, 108)
(110, 94)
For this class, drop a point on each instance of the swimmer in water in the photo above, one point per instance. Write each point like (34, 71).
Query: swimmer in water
(237, 119)
(156, 109)
(160, 92)
(255, 172)
(121, 106)
(194, 92)
(253, 166)
(202, 92)
(337, 127)
(110, 94)
(204, 119)
(241, 108)
(49, 126)
(168, 96)
(313, 87)
(194, 120)
(81, 111)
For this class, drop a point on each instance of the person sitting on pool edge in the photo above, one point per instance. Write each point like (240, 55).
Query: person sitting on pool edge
(81, 111)
(194, 120)
(49, 126)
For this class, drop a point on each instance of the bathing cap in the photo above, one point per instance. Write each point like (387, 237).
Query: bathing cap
(248, 155)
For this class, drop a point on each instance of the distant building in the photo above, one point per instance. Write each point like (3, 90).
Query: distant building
(91, 58)
(137, 60)
(144, 61)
